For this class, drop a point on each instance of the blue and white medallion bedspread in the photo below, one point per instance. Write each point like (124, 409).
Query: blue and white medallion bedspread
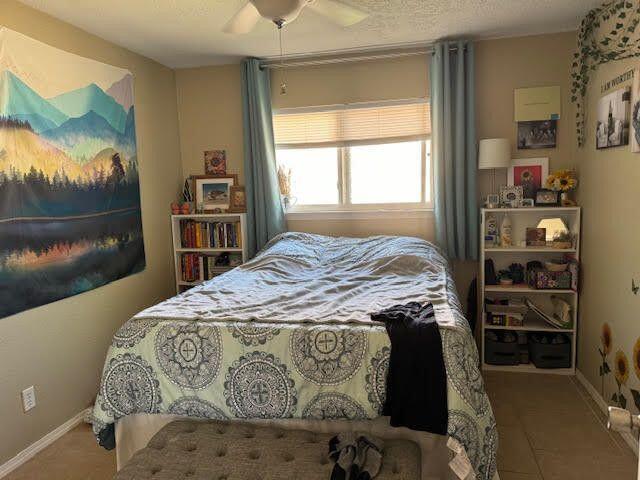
(288, 335)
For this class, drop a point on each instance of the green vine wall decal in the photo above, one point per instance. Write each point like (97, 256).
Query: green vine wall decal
(607, 33)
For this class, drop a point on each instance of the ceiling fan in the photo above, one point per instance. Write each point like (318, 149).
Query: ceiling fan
(282, 12)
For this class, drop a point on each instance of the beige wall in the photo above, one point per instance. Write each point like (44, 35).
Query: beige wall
(211, 116)
(609, 194)
(210, 113)
(60, 348)
(506, 64)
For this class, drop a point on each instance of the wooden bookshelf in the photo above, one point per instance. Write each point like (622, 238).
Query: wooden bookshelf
(209, 251)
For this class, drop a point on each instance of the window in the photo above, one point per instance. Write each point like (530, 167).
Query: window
(356, 157)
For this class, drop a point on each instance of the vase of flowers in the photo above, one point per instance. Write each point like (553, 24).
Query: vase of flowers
(565, 182)
(284, 183)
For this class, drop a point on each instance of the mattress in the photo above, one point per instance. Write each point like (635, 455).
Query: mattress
(289, 335)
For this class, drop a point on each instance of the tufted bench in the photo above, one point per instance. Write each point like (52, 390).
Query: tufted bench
(217, 450)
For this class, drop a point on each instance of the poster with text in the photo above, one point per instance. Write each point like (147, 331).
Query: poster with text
(70, 216)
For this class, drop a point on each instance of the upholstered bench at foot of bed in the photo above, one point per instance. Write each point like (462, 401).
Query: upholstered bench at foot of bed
(217, 450)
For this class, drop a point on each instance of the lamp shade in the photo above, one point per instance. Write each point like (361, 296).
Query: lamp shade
(494, 153)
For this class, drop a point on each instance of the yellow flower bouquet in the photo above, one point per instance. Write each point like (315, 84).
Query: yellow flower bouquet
(562, 181)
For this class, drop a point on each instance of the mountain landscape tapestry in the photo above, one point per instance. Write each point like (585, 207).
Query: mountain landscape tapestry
(69, 194)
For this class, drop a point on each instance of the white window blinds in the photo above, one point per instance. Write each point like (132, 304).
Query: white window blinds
(352, 124)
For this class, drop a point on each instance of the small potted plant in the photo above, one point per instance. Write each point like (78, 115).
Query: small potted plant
(563, 181)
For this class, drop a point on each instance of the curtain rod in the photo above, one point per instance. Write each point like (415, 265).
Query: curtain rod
(277, 64)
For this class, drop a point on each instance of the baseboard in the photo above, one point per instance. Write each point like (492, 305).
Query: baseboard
(627, 437)
(41, 444)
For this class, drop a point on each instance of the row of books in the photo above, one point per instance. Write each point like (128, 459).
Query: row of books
(194, 234)
(506, 312)
(196, 267)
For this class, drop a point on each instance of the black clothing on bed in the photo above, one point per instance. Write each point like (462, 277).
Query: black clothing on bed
(416, 394)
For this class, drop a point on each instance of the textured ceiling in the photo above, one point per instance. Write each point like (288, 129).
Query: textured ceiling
(185, 33)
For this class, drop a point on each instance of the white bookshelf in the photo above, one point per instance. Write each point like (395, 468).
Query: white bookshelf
(179, 250)
(521, 218)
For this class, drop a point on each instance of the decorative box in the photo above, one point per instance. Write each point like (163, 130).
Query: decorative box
(548, 280)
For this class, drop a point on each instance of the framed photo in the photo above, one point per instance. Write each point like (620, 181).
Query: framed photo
(237, 200)
(527, 202)
(529, 173)
(215, 162)
(635, 114)
(511, 196)
(536, 237)
(613, 119)
(493, 200)
(537, 134)
(212, 193)
(547, 198)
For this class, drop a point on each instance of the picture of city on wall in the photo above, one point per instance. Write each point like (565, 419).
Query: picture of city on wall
(613, 119)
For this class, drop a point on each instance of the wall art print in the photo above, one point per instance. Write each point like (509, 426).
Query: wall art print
(69, 194)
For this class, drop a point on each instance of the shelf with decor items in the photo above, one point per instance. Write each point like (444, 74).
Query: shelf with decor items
(529, 319)
(207, 245)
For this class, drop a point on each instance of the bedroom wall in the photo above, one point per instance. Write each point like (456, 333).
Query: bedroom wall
(609, 195)
(505, 64)
(60, 348)
(209, 105)
(210, 111)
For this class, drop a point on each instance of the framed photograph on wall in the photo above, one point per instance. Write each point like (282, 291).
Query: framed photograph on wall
(537, 134)
(215, 162)
(635, 113)
(613, 119)
(530, 173)
(213, 193)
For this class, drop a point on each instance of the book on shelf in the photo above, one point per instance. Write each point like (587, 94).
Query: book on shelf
(201, 234)
(196, 267)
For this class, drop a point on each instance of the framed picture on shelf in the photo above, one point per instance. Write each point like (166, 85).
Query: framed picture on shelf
(547, 198)
(237, 200)
(213, 193)
(529, 173)
(511, 196)
(536, 237)
(215, 162)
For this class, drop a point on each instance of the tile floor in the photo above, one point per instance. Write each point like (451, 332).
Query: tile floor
(549, 430)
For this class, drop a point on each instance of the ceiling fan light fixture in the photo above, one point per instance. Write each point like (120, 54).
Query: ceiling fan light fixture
(279, 11)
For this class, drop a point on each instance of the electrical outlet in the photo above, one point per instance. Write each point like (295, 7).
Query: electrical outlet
(28, 398)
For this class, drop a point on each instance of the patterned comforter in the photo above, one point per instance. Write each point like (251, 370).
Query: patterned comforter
(289, 334)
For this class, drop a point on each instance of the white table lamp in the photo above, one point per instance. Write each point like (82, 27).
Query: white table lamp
(494, 153)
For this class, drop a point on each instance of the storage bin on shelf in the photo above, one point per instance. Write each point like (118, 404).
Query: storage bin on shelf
(550, 350)
(501, 348)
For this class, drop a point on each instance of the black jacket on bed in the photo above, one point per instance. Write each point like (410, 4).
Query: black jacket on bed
(416, 395)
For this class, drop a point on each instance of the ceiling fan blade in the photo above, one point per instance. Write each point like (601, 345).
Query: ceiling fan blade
(340, 13)
(244, 20)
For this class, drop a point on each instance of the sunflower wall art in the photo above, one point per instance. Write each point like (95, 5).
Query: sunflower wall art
(621, 371)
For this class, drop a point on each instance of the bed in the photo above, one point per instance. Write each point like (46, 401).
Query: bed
(288, 335)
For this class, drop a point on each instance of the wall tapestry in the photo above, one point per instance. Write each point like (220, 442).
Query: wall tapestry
(69, 194)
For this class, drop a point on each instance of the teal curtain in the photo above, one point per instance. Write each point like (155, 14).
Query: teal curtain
(265, 216)
(453, 149)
